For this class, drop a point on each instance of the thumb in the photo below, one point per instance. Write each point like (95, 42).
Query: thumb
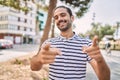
(84, 49)
(95, 41)
(46, 46)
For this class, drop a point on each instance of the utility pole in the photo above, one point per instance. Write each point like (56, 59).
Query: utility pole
(117, 30)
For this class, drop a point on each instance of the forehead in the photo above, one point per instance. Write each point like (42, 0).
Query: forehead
(60, 10)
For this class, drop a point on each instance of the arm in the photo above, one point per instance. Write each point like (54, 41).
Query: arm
(101, 68)
(35, 63)
(45, 56)
(98, 63)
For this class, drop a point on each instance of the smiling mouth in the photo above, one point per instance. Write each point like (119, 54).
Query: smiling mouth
(62, 22)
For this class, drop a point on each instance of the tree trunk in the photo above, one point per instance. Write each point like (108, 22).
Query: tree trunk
(37, 28)
(53, 30)
(52, 5)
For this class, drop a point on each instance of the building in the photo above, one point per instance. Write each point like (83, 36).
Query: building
(42, 17)
(16, 25)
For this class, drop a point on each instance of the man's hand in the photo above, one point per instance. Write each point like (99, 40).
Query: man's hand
(93, 51)
(47, 55)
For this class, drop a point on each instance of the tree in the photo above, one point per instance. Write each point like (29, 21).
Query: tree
(106, 30)
(15, 4)
(100, 30)
(39, 6)
(52, 30)
(80, 6)
(52, 5)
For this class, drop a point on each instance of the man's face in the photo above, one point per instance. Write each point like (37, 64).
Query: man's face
(62, 19)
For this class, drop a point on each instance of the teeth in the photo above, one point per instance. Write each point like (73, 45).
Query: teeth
(61, 23)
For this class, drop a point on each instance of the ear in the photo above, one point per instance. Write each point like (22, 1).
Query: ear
(72, 18)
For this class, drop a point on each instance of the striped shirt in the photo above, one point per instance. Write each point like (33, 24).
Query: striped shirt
(71, 64)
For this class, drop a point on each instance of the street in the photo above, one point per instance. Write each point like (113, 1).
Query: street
(16, 51)
(20, 50)
(112, 61)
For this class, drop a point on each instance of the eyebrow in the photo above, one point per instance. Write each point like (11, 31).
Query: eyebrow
(60, 13)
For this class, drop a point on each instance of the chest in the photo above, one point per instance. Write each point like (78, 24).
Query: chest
(71, 52)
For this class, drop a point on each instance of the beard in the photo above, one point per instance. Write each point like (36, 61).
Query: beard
(65, 28)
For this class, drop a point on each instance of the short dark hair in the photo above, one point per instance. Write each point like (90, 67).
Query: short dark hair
(68, 9)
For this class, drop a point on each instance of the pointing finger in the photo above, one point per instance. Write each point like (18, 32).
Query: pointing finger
(58, 52)
(95, 41)
(46, 46)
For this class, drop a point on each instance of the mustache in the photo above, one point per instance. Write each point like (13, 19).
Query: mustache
(62, 21)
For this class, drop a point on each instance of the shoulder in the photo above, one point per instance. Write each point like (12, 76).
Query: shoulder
(52, 39)
(83, 39)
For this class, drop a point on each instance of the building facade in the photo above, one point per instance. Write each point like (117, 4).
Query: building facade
(42, 17)
(16, 25)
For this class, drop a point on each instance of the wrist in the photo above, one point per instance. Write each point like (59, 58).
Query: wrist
(39, 60)
(100, 59)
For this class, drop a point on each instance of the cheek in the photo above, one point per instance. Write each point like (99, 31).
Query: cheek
(55, 22)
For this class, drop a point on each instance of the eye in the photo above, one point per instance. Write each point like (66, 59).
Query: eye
(55, 17)
(62, 14)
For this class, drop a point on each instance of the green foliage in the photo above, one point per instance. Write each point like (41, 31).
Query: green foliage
(10, 3)
(101, 31)
(14, 4)
(81, 6)
(82, 35)
(25, 9)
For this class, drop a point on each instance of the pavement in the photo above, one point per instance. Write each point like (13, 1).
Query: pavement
(111, 59)
(11, 55)
(113, 63)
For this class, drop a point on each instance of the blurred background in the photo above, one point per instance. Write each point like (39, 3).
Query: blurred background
(26, 24)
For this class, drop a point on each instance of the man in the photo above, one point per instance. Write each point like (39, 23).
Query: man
(108, 46)
(68, 54)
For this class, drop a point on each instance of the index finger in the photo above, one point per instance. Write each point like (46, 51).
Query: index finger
(95, 41)
(46, 46)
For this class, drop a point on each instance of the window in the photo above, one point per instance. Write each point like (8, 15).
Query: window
(13, 18)
(41, 14)
(3, 26)
(18, 18)
(25, 29)
(18, 28)
(25, 20)
(31, 29)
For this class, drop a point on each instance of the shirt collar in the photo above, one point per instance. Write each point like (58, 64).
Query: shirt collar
(71, 38)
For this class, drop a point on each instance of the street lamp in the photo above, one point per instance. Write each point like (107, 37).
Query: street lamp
(93, 18)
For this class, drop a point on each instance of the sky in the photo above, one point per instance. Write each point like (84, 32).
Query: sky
(106, 12)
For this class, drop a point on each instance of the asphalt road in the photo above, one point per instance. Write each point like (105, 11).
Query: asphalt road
(112, 61)
(16, 51)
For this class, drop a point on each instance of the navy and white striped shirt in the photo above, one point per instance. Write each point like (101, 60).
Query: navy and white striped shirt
(71, 64)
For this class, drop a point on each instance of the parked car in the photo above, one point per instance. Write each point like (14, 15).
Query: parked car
(6, 43)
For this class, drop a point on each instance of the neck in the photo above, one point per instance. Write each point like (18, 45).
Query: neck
(67, 34)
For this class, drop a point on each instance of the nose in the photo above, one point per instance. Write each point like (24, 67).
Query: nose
(59, 18)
